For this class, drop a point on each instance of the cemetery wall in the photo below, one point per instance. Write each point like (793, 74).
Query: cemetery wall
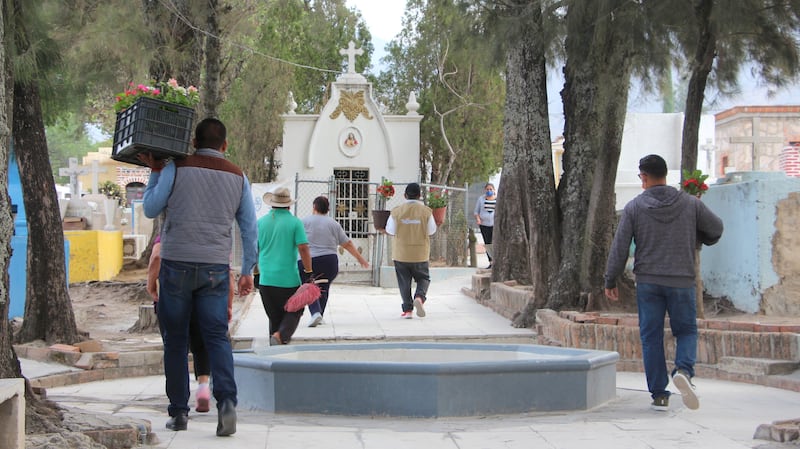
(756, 263)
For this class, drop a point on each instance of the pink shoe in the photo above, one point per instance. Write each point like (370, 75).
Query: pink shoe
(203, 397)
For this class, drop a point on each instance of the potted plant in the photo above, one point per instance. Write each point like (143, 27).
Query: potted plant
(437, 200)
(156, 118)
(380, 215)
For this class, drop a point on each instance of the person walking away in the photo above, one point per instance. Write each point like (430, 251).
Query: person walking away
(666, 225)
(201, 196)
(202, 368)
(325, 235)
(484, 216)
(281, 237)
(412, 226)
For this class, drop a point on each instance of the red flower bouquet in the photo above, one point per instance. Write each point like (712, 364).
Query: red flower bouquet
(386, 189)
(694, 183)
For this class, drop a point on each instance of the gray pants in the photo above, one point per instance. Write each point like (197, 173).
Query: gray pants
(406, 271)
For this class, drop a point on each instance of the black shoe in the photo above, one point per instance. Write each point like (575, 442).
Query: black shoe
(226, 420)
(178, 422)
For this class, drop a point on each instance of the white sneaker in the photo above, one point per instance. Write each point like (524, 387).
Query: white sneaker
(684, 385)
(418, 305)
(316, 319)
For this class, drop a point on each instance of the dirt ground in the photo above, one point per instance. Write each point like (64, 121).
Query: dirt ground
(108, 309)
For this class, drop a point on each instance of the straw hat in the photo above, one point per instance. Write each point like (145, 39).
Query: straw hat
(281, 197)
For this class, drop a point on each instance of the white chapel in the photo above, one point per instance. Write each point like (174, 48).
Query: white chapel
(351, 143)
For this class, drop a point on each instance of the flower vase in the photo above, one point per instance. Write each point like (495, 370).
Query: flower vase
(379, 219)
(438, 215)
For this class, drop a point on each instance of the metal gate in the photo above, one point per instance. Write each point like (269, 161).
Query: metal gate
(353, 197)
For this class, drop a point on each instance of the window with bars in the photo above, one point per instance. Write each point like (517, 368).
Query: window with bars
(352, 201)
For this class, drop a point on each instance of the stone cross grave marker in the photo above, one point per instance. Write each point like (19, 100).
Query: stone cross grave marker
(73, 171)
(96, 170)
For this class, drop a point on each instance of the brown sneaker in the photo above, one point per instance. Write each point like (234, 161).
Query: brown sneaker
(660, 403)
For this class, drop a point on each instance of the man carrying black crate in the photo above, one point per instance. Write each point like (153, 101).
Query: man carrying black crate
(201, 195)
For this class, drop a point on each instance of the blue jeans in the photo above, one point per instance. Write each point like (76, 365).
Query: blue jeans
(195, 290)
(406, 271)
(654, 301)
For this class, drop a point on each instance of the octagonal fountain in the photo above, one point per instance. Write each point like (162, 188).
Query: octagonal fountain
(423, 379)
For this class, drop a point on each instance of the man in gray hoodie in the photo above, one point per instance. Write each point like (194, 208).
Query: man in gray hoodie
(666, 225)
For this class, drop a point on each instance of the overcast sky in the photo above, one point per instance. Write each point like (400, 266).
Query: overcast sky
(384, 19)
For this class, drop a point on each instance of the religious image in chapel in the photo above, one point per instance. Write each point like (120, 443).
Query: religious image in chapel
(350, 141)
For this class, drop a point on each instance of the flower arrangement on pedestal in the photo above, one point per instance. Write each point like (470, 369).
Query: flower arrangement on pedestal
(380, 216)
(171, 92)
(694, 183)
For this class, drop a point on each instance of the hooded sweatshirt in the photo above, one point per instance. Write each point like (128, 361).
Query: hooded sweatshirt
(666, 225)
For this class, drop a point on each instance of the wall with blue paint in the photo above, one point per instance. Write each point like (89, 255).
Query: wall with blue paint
(19, 243)
(17, 268)
(740, 266)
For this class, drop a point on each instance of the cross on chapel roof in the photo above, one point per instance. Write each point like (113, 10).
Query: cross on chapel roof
(351, 53)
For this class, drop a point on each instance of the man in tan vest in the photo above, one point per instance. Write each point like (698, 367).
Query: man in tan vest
(412, 224)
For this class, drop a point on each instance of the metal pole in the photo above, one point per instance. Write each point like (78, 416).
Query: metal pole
(296, 190)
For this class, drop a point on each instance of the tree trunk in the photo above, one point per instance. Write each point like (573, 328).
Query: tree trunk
(595, 94)
(698, 285)
(701, 67)
(180, 52)
(526, 228)
(9, 365)
(48, 308)
(39, 414)
(213, 62)
(180, 40)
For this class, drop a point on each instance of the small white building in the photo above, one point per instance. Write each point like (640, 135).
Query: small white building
(347, 149)
(352, 145)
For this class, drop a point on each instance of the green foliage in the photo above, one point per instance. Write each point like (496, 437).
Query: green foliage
(311, 33)
(66, 139)
(445, 55)
(437, 198)
(102, 46)
(282, 33)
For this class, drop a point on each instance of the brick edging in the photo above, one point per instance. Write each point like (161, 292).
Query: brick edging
(715, 343)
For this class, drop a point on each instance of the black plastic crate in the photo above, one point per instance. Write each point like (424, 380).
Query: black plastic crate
(164, 129)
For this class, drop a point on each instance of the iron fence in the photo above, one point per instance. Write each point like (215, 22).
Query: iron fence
(353, 198)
